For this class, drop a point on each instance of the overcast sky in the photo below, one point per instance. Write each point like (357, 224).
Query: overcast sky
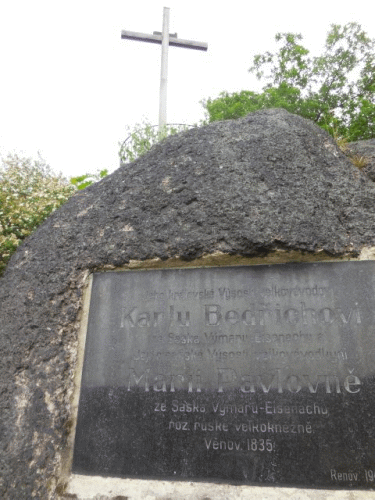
(70, 86)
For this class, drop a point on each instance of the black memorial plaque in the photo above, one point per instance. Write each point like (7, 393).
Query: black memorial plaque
(258, 374)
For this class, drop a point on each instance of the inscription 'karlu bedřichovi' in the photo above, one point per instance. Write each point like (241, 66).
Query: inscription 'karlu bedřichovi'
(229, 373)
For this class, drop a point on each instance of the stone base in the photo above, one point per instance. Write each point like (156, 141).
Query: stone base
(104, 488)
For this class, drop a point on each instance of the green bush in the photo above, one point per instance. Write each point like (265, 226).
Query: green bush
(142, 137)
(29, 192)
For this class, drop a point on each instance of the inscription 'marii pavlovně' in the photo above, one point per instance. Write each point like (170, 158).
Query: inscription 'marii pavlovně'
(229, 373)
(228, 378)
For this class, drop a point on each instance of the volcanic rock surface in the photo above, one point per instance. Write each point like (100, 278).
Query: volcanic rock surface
(366, 150)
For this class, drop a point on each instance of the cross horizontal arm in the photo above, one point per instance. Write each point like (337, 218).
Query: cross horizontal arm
(175, 42)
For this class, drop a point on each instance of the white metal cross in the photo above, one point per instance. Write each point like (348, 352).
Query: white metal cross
(164, 39)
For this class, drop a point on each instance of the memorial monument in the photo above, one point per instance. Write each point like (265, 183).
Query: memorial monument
(199, 324)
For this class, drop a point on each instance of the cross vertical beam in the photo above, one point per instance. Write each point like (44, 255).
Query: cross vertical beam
(164, 71)
(165, 39)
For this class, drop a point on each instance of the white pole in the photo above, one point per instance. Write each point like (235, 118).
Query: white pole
(164, 71)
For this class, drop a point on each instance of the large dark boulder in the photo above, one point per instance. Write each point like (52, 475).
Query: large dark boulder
(271, 181)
